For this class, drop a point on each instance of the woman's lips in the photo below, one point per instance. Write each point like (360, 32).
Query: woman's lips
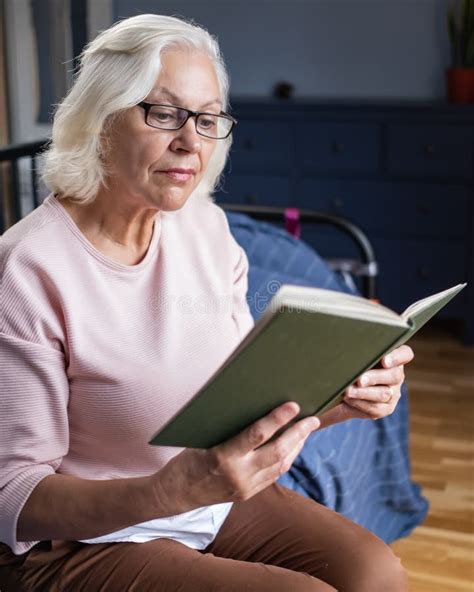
(181, 175)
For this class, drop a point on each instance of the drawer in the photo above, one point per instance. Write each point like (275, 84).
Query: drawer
(392, 209)
(430, 150)
(261, 147)
(260, 190)
(411, 270)
(330, 147)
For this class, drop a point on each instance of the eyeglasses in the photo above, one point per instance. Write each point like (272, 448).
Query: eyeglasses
(169, 117)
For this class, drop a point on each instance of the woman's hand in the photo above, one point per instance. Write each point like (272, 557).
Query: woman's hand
(237, 469)
(376, 393)
(244, 465)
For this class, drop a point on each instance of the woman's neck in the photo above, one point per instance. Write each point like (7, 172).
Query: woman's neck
(121, 231)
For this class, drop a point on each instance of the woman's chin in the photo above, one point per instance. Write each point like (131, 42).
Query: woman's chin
(172, 200)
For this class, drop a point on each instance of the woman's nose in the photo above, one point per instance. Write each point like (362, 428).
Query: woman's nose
(187, 138)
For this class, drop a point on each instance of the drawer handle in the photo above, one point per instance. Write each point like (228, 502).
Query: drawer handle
(338, 148)
(249, 144)
(429, 149)
(423, 272)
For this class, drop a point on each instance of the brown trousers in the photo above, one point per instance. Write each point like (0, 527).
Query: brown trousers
(277, 541)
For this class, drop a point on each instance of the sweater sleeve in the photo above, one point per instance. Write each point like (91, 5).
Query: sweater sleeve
(238, 264)
(241, 311)
(34, 393)
(240, 268)
(33, 426)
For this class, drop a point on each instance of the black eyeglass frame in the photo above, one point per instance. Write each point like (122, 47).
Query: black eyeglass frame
(196, 114)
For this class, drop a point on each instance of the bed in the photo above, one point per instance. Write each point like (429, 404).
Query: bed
(359, 468)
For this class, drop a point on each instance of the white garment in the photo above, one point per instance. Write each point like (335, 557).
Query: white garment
(195, 529)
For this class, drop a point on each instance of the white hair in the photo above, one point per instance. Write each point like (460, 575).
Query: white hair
(118, 69)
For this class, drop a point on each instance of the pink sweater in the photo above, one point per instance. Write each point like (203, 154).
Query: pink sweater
(95, 356)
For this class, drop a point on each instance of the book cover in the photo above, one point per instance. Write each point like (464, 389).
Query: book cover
(306, 353)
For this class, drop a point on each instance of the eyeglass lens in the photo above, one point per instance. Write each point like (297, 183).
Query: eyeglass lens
(172, 118)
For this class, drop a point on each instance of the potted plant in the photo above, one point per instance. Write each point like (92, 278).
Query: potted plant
(460, 76)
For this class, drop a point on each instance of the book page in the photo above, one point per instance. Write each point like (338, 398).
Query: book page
(415, 308)
(330, 302)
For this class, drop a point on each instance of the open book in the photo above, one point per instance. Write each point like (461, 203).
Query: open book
(308, 346)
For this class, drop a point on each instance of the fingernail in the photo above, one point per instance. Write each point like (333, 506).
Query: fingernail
(388, 360)
(389, 394)
(313, 423)
(364, 380)
(352, 392)
(292, 408)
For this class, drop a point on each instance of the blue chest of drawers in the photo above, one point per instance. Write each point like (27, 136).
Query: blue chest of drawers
(404, 172)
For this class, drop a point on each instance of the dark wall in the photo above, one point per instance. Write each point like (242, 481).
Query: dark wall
(326, 48)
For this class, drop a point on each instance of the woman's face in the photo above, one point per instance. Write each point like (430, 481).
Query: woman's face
(160, 168)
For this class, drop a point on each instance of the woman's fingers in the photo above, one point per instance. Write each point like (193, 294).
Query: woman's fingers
(262, 430)
(282, 464)
(373, 410)
(392, 371)
(381, 376)
(399, 356)
(276, 453)
(375, 394)
(374, 401)
(247, 463)
(269, 474)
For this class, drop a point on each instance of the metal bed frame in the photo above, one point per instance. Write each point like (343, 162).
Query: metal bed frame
(366, 267)
(10, 156)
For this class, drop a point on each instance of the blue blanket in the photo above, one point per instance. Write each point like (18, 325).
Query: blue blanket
(359, 468)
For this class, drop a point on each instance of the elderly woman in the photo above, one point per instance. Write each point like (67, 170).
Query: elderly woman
(100, 344)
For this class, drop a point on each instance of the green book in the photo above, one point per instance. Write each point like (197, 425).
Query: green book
(308, 346)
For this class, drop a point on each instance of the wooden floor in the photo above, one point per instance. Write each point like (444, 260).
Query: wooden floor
(439, 555)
